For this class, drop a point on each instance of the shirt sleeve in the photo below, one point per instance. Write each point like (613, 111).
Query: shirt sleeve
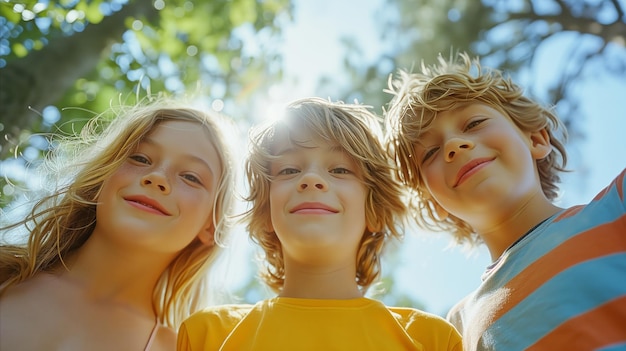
(182, 342)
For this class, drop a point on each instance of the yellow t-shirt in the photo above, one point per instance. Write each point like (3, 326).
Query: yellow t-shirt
(310, 324)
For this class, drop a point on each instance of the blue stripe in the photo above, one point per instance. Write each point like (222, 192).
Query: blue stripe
(616, 347)
(574, 291)
(530, 250)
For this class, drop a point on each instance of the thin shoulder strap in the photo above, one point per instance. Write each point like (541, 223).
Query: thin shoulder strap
(152, 335)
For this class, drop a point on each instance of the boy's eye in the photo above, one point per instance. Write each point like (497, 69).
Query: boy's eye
(429, 154)
(340, 170)
(288, 171)
(474, 124)
(139, 158)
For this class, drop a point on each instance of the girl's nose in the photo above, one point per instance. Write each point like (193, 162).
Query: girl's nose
(158, 180)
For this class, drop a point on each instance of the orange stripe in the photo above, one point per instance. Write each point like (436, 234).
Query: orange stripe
(569, 212)
(609, 327)
(591, 244)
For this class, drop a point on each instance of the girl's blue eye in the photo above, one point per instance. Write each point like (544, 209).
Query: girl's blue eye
(139, 158)
(288, 171)
(192, 178)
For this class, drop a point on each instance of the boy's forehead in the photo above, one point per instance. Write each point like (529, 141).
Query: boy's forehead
(300, 140)
(285, 135)
(428, 117)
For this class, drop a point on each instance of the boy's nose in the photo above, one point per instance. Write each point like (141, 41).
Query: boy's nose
(454, 146)
(317, 185)
(312, 179)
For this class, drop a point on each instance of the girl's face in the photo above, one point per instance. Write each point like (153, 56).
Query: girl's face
(162, 196)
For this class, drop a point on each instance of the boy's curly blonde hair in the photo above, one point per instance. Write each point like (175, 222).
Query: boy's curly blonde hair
(419, 97)
(358, 131)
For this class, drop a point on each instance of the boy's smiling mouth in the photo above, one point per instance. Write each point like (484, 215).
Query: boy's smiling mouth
(313, 208)
(470, 168)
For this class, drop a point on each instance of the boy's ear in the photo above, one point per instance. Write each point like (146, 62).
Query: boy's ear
(207, 235)
(540, 146)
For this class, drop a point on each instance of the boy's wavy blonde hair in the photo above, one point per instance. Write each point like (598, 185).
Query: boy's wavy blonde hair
(61, 222)
(419, 97)
(358, 131)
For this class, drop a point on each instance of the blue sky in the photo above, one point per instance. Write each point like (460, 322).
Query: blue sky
(427, 269)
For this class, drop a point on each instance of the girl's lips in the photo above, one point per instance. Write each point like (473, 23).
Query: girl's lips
(147, 204)
(471, 168)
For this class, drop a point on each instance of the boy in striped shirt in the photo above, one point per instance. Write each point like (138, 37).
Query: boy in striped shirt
(483, 162)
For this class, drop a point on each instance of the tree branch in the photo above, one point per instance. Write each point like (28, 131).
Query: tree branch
(39, 79)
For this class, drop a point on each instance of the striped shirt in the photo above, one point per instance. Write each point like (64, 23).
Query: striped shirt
(562, 287)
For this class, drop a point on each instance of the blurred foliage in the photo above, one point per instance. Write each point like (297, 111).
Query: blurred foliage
(63, 61)
(506, 34)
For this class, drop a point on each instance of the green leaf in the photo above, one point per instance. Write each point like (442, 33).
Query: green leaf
(93, 13)
(243, 11)
(7, 12)
(19, 50)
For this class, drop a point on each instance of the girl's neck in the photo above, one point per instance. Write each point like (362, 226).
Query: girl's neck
(108, 274)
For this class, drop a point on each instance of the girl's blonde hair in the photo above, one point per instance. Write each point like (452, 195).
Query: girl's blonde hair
(61, 222)
(419, 97)
(358, 132)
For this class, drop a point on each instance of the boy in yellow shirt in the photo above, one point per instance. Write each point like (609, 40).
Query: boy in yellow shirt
(324, 202)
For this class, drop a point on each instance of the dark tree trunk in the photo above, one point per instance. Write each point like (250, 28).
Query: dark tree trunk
(43, 76)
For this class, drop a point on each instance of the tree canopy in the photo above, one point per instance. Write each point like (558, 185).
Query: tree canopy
(509, 35)
(59, 59)
(79, 52)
